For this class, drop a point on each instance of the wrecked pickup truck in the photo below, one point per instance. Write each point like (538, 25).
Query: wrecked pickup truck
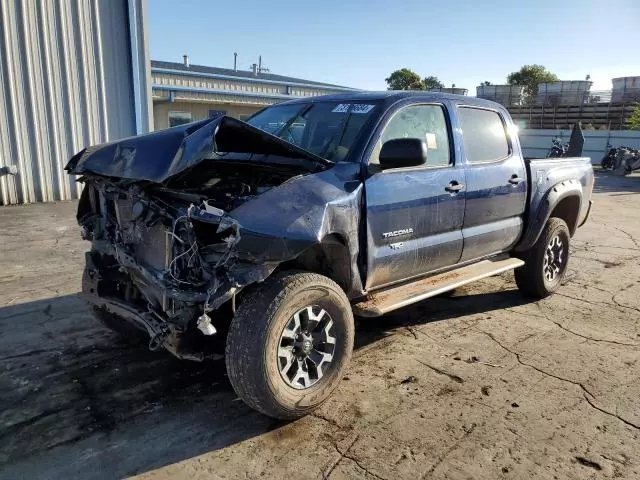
(258, 241)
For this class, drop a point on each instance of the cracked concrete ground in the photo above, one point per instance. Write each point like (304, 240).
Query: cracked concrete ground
(484, 384)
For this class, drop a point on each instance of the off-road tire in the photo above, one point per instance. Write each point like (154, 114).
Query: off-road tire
(530, 277)
(127, 332)
(255, 333)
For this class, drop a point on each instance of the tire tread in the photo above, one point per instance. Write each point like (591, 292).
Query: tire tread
(529, 278)
(251, 323)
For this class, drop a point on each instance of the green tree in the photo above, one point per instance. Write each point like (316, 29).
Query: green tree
(531, 76)
(404, 79)
(432, 82)
(633, 122)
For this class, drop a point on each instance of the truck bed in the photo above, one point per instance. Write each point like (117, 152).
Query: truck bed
(547, 172)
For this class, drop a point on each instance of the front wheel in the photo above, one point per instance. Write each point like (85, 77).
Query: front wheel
(289, 344)
(546, 262)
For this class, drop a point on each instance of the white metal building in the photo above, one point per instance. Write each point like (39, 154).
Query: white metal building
(183, 92)
(72, 74)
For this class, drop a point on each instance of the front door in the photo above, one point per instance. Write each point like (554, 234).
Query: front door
(496, 184)
(415, 214)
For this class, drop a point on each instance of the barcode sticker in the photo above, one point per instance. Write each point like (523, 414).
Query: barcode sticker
(361, 108)
(355, 108)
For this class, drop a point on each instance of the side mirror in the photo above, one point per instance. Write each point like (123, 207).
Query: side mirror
(403, 152)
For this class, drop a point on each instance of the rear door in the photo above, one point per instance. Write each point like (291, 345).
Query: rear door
(414, 217)
(496, 182)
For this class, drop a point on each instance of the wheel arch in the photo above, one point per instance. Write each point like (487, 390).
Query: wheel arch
(563, 200)
(330, 257)
(568, 209)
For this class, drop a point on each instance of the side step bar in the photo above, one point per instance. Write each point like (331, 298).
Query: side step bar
(384, 301)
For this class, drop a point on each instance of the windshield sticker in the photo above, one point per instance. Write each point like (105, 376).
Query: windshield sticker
(341, 108)
(355, 108)
(360, 108)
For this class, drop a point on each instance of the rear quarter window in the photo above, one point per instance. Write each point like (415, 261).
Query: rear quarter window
(483, 134)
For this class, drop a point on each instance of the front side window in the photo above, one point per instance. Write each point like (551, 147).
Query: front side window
(327, 129)
(483, 135)
(425, 122)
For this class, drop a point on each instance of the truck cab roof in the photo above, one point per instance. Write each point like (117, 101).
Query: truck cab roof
(389, 97)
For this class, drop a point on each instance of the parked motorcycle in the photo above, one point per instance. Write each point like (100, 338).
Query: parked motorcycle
(621, 159)
(558, 149)
(629, 160)
(608, 162)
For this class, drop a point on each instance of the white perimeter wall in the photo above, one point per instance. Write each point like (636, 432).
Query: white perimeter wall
(536, 143)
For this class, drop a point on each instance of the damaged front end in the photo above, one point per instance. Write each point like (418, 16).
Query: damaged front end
(159, 262)
(164, 253)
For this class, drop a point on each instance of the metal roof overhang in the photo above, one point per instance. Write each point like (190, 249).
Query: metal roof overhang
(248, 79)
(177, 88)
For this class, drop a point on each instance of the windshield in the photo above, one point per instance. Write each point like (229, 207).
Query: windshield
(328, 129)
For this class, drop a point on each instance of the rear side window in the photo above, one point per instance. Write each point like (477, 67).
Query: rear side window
(483, 134)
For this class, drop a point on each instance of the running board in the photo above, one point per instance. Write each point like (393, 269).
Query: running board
(384, 301)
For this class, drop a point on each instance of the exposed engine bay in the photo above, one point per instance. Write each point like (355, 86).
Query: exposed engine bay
(182, 220)
(163, 255)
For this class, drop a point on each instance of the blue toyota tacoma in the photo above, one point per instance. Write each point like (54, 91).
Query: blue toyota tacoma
(258, 241)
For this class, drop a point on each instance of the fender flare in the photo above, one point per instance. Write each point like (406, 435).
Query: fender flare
(539, 218)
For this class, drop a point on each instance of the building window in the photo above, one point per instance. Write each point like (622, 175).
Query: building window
(217, 113)
(179, 118)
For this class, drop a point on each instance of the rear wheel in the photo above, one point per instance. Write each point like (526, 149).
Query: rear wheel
(607, 163)
(289, 344)
(546, 262)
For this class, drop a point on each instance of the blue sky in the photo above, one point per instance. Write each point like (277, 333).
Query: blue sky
(358, 43)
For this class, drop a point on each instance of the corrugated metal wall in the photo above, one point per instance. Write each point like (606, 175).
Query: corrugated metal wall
(65, 83)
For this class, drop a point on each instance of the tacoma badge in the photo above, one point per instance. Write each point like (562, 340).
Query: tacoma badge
(397, 233)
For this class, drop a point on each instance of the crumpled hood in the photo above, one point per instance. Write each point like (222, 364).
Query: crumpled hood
(160, 155)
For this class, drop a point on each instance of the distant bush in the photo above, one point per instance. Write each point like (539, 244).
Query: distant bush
(633, 122)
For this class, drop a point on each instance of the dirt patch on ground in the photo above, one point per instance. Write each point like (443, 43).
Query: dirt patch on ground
(482, 384)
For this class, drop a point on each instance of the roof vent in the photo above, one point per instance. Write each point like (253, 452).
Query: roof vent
(185, 59)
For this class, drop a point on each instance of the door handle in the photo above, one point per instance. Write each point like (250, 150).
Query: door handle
(454, 187)
(515, 179)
